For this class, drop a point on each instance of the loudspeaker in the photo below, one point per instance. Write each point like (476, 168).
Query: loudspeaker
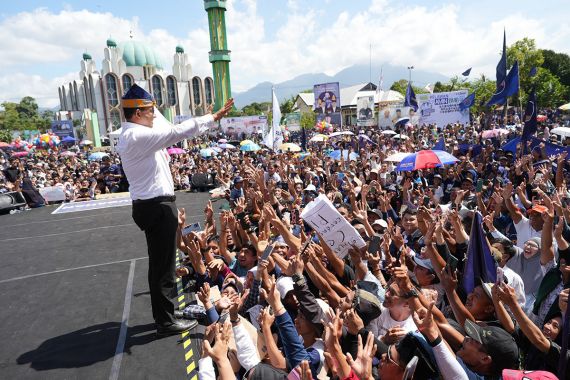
(202, 181)
(11, 201)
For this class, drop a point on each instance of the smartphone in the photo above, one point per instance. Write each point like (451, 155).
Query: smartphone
(267, 252)
(410, 368)
(500, 275)
(306, 244)
(479, 187)
(295, 216)
(426, 201)
(374, 244)
(191, 228)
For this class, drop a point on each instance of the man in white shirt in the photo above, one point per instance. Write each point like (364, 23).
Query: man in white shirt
(142, 147)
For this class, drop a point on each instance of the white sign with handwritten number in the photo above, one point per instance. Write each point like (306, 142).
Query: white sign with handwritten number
(337, 233)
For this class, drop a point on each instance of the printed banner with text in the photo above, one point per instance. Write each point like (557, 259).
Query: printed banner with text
(365, 111)
(442, 108)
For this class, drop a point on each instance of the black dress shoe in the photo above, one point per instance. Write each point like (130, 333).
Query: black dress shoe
(175, 328)
(178, 314)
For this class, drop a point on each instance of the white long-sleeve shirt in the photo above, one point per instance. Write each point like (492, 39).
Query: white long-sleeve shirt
(247, 354)
(144, 156)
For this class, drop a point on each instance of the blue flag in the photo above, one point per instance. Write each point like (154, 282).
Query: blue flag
(502, 65)
(440, 144)
(508, 87)
(533, 71)
(467, 102)
(529, 117)
(303, 139)
(480, 261)
(466, 72)
(410, 100)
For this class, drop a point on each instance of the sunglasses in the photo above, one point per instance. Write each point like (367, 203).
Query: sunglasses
(389, 357)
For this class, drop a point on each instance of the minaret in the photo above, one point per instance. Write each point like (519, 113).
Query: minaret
(219, 54)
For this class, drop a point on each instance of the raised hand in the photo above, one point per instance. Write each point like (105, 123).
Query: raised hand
(224, 110)
(423, 319)
(204, 294)
(181, 217)
(220, 350)
(362, 366)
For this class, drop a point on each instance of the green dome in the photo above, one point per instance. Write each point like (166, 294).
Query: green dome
(136, 53)
(111, 43)
(179, 49)
(86, 56)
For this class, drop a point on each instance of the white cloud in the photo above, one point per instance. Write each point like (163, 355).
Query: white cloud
(305, 40)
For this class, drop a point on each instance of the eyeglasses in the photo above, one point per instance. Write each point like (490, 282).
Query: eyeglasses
(389, 357)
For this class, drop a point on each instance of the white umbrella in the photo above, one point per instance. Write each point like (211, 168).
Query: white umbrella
(402, 137)
(389, 132)
(561, 131)
(86, 142)
(341, 133)
(397, 157)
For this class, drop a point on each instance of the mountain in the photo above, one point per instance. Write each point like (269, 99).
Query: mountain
(347, 77)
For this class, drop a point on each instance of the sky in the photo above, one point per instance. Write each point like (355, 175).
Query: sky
(271, 40)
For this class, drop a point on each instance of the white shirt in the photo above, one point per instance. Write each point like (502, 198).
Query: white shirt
(144, 156)
(525, 232)
(380, 326)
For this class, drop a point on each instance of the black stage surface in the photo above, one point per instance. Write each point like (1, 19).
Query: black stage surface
(67, 283)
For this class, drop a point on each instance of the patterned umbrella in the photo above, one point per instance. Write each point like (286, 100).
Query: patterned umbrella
(425, 159)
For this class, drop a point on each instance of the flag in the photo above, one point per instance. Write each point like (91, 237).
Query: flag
(480, 261)
(508, 87)
(529, 117)
(303, 139)
(467, 102)
(411, 98)
(466, 72)
(440, 144)
(533, 71)
(502, 65)
(429, 88)
(275, 136)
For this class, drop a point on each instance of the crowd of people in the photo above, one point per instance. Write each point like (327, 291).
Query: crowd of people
(399, 302)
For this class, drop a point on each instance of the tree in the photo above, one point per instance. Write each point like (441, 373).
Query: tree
(559, 65)
(402, 85)
(308, 120)
(24, 115)
(528, 56)
(5, 136)
(288, 105)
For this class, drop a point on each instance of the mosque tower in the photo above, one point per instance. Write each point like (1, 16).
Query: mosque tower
(219, 54)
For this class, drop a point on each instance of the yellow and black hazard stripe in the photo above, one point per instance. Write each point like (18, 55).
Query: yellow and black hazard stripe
(190, 360)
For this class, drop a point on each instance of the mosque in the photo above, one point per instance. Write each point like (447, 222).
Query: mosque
(95, 98)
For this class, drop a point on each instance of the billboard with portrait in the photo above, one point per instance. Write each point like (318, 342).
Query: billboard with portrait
(442, 108)
(390, 114)
(237, 127)
(327, 103)
(365, 111)
(62, 128)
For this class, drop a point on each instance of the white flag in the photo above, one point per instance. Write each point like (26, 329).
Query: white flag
(274, 138)
(428, 87)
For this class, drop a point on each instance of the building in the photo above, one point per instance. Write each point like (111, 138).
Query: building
(304, 102)
(95, 98)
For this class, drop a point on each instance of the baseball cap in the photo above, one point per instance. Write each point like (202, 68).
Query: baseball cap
(375, 211)
(238, 179)
(498, 343)
(425, 263)
(284, 285)
(538, 208)
(380, 222)
(310, 187)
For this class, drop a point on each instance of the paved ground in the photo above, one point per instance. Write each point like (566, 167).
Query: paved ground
(67, 282)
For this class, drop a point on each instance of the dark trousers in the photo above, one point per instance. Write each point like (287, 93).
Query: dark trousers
(159, 221)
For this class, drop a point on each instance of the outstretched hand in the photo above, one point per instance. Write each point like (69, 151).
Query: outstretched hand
(224, 110)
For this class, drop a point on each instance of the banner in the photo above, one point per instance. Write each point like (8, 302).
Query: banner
(293, 121)
(389, 115)
(62, 128)
(237, 127)
(442, 108)
(53, 193)
(327, 103)
(365, 111)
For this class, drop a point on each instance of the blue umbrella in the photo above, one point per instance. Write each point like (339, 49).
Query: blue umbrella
(425, 159)
(335, 155)
(68, 139)
(97, 156)
(208, 152)
(250, 147)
